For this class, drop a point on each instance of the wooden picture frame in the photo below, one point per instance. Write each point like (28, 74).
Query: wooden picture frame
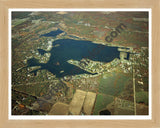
(4, 64)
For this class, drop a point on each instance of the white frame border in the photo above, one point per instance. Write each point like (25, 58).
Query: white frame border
(72, 117)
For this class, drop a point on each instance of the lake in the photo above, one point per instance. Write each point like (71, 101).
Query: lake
(67, 49)
(53, 33)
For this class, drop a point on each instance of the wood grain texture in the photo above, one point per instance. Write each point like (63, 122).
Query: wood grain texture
(6, 4)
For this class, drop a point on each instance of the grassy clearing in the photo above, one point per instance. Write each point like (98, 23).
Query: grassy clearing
(101, 102)
(113, 83)
(19, 21)
(142, 97)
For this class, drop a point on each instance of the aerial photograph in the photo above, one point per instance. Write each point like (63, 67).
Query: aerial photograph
(80, 63)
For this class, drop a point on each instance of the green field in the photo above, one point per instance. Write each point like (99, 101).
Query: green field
(142, 97)
(113, 83)
(101, 102)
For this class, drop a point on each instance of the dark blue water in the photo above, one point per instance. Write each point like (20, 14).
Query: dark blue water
(41, 51)
(76, 50)
(67, 49)
(53, 33)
